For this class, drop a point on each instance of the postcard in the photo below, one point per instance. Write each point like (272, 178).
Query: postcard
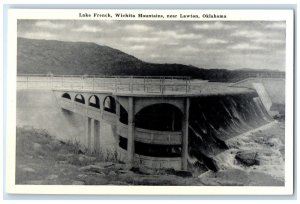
(150, 102)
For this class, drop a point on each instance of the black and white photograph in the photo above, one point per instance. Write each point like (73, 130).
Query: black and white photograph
(160, 98)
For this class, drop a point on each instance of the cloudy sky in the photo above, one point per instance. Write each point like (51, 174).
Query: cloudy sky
(216, 44)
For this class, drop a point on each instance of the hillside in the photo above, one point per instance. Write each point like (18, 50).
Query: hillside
(78, 58)
(41, 159)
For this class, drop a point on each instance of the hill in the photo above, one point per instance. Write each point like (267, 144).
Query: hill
(79, 58)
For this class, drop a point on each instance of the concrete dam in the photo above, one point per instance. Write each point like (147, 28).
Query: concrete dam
(151, 122)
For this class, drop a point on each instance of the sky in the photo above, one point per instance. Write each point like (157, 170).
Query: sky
(214, 44)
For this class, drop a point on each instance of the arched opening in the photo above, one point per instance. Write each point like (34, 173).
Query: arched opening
(94, 101)
(79, 98)
(66, 95)
(161, 117)
(123, 115)
(109, 104)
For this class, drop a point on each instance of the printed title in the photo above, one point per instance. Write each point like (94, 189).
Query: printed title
(155, 15)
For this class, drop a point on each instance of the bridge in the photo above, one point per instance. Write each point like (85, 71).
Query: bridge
(149, 115)
(126, 103)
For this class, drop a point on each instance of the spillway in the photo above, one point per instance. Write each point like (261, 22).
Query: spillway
(155, 124)
(216, 119)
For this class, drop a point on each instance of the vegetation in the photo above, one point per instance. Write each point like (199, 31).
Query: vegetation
(43, 160)
(80, 58)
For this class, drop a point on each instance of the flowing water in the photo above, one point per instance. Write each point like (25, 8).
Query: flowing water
(216, 119)
(219, 128)
(222, 126)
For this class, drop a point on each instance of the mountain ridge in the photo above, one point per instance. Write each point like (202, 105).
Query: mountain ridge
(36, 56)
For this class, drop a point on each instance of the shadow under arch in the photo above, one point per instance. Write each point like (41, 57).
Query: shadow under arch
(79, 98)
(161, 117)
(123, 115)
(66, 95)
(94, 101)
(109, 104)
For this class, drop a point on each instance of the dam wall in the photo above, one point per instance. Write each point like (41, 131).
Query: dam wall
(270, 90)
(213, 119)
(216, 119)
(40, 109)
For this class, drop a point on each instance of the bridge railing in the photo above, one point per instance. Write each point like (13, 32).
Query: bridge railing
(149, 84)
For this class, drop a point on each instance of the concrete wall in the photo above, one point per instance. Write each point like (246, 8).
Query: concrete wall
(40, 109)
(270, 90)
(151, 136)
(263, 95)
(274, 87)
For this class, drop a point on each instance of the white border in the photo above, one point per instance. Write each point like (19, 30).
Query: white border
(232, 15)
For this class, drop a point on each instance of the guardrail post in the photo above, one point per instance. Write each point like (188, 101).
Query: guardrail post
(116, 82)
(93, 82)
(131, 84)
(186, 86)
(162, 85)
(82, 82)
(51, 81)
(27, 82)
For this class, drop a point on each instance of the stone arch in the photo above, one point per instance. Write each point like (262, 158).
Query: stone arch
(160, 117)
(109, 104)
(66, 95)
(141, 103)
(94, 101)
(79, 98)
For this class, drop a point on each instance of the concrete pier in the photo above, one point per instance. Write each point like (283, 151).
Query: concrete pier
(92, 128)
(185, 134)
(96, 135)
(88, 129)
(131, 127)
(125, 129)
